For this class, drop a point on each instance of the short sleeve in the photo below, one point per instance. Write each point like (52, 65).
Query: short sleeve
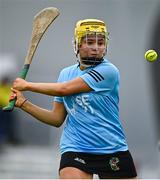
(102, 78)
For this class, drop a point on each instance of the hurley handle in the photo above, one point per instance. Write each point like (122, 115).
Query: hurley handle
(22, 75)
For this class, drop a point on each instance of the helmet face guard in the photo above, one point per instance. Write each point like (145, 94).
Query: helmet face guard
(90, 30)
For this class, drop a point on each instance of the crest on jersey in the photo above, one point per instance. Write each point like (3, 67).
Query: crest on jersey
(113, 162)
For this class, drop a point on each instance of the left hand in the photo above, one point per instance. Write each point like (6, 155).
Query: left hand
(20, 84)
(15, 94)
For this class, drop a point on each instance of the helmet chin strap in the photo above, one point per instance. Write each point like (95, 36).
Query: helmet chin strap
(91, 61)
(88, 61)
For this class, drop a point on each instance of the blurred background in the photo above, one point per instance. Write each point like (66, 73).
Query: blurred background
(30, 149)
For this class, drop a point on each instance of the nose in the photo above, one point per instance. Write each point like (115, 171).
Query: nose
(94, 47)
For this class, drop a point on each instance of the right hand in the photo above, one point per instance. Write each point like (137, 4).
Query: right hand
(15, 94)
(20, 84)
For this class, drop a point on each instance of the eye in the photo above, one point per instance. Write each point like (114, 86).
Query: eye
(101, 43)
(90, 42)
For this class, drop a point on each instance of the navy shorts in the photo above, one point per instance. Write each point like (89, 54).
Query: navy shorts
(118, 165)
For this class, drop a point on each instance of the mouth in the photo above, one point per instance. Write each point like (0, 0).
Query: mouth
(94, 55)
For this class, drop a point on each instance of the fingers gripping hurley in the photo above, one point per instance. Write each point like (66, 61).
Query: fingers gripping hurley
(41, 22)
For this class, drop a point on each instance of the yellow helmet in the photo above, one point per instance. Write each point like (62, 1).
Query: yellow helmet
(88, 26)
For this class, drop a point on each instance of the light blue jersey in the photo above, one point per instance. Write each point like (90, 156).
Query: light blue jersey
(93, 124)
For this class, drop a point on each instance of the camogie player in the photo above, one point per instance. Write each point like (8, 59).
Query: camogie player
(86, 97)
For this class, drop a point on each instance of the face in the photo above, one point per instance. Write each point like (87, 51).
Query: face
(92, 46)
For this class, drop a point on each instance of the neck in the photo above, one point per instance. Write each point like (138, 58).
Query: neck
(82, 67)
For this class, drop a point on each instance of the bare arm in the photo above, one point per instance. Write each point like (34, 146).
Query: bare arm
(54, 117)
(54, 89)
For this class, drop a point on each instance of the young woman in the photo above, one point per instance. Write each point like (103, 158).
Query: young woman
(87, 96)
